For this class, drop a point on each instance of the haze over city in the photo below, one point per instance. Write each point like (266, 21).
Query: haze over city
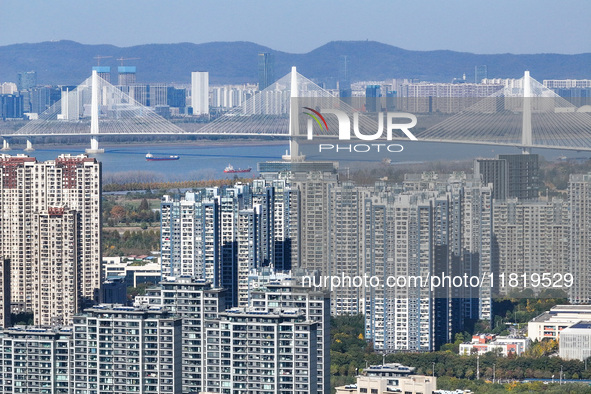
(503, 26)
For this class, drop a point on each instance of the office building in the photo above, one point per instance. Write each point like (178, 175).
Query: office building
(37, 360)
(575, 342)
(121, 349)
(200, 92)
(531, 238)
(266, 69)
(176, 97)
(480, 73)
(51, 234)
(372, 95)
(523, 175)
(262, 351)
(579, 195)
(549, 325)
(390, 378)
(512, 176)
(194, 301)
(114, 291)
(26, 80)
(133, 274)
(493, 171)
(126, 75)
(43, 97)
(344, 76)
(11, 106)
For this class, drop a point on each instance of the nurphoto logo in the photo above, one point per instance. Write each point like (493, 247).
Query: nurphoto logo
(395, 122)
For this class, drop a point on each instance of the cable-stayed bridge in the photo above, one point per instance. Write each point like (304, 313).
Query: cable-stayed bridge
(525, 114)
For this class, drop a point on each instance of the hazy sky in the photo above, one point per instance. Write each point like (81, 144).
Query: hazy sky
(493, 26)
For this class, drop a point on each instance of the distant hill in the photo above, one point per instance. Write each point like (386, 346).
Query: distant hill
(69, 63)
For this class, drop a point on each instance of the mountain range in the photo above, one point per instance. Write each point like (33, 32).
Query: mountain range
(69, 62)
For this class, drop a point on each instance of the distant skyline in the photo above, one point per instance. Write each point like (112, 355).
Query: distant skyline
(503, 26)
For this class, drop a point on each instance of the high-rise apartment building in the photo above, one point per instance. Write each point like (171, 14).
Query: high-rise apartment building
(221, 234)
(200, 92)
(531, 238)
(266, 69)
(5, 320)
(194, 301)
(285, 294)
(51, 234)
(262, 351)
(579, 194)
(119, 349)
(36, 360)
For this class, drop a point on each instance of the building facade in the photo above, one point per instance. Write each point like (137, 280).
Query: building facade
(51, 234)
(262, 351)
(120, 349)
(200, 92)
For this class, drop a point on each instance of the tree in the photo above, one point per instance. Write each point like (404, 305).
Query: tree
(144, 206)
(118, 213)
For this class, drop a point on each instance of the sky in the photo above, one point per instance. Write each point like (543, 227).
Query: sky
(478, 26)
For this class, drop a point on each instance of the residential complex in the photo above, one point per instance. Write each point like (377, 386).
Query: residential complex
(263, 351)
(120, 349)
(51, 232)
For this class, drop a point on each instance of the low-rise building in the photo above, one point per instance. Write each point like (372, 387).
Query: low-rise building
(550, 324)
(484, 343)
(575, 342)
(390, 378)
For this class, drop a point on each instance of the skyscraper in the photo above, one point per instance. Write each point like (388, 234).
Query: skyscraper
(200, 92)
(266, 69)
(51, 234)
(579, 194)
(512, 176)
(344, 77)
(523, 175)
(26, 80)
(104, 72)
(480, 73)
(126, 75)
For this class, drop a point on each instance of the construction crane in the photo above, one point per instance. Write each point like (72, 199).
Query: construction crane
(121, 59)
(99, 57)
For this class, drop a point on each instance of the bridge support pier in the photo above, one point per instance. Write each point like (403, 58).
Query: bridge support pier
(29, 147)
(94, 146)
(5, 145)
